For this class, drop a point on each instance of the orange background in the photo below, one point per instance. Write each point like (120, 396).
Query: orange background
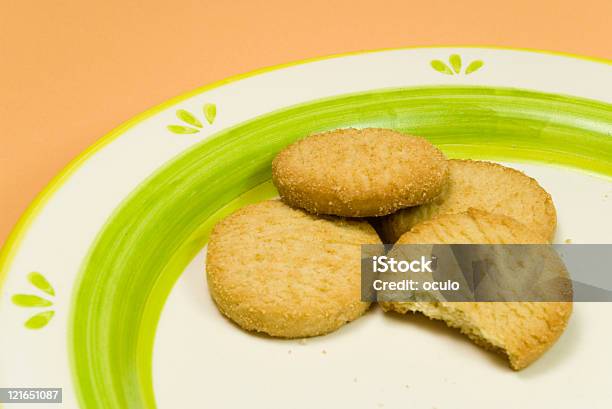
(71, 70)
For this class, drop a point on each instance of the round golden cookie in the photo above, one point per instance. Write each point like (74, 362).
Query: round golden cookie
(285, 272)
(522, 331)
(486, 186)
(359, 172)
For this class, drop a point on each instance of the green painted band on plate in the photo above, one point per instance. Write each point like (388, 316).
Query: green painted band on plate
(8, 250)
(158, 229)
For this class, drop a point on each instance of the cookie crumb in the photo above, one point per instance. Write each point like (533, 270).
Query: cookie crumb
(324, 352)
(568, 241)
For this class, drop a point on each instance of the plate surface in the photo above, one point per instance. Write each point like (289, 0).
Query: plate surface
(123, 317)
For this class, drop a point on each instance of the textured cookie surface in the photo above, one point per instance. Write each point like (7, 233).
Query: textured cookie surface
(487, 186)
(359, 173)
(522, 331)
(287, 273)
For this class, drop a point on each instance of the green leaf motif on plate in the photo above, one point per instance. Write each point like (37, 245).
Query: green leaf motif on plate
(40, 282)
(179, 129)
(29, 300)
(40, 319)
(188, 118)
(456, 63)
(210, 112)
(474, 66)
(441, 67)
(195, 124)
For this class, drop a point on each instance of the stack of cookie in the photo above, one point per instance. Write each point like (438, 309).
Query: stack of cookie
(291, 268)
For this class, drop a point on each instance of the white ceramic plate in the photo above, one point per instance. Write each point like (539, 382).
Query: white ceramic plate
(118, 240)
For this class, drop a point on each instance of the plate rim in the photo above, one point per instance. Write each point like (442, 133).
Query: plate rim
(19, 230)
